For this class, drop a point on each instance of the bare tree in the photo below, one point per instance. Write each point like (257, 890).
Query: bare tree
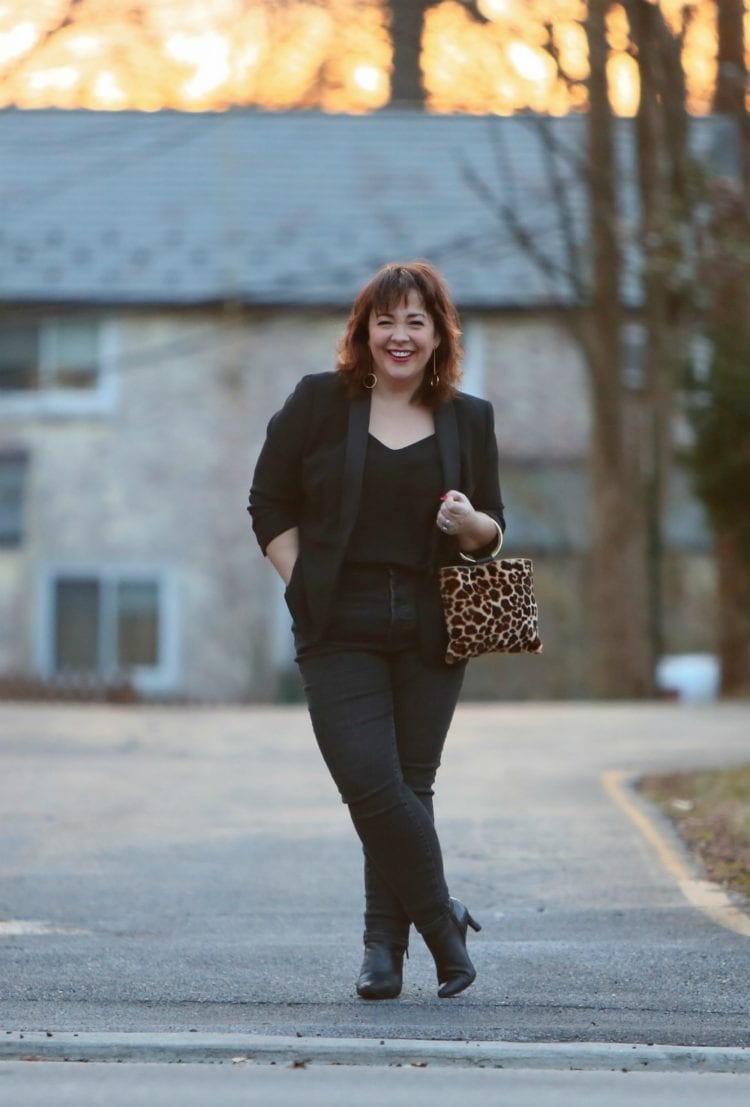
(631, 447)
(407, 24)
(67, 18)
(732, 78)
(706, 279)
(720, 456)
(720, 412)
(731, 75)
(622, 661)
(665, 242)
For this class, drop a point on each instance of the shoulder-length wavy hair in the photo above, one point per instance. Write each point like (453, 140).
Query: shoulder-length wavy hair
(390, 286)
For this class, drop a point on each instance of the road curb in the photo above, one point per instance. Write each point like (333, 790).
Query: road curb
(215, 1048)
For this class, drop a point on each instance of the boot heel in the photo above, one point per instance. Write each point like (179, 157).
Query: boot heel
(473, 923)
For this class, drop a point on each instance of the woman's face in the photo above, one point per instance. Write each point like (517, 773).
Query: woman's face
(401, 342)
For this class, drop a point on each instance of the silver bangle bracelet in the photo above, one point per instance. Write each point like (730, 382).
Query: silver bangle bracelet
(498, 547)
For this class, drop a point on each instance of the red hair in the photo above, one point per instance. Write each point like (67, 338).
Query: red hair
(390, 286)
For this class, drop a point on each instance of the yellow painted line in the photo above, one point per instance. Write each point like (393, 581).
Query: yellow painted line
(707, 897)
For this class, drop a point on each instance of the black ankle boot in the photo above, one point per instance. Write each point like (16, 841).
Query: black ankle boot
(446, 942)
(380, 975)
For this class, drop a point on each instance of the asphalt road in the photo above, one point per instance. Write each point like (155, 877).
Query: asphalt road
(173, 869)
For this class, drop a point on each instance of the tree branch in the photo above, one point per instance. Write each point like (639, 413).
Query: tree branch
(68, 20)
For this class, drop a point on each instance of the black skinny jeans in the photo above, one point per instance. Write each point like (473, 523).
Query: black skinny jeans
(380, 716)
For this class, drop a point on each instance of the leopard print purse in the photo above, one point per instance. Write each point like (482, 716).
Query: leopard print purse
(489, 607)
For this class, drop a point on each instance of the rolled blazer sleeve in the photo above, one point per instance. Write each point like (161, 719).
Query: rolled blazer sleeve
(489, 496)
(276, 492)
(480, 463)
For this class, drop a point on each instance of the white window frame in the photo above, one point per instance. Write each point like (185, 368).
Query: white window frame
(160, 678)
(54, 402)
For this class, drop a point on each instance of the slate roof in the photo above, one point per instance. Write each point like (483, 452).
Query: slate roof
(295, 208)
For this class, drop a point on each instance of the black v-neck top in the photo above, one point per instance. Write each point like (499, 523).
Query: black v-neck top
(400, 497)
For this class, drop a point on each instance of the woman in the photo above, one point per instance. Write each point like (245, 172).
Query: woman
(370, 479)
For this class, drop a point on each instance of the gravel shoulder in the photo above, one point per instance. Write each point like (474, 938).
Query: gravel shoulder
(711, 812)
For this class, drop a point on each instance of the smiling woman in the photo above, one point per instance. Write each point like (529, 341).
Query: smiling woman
(369, 479)
(484, 56)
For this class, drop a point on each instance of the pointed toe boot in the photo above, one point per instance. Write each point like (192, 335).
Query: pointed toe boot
(381, 974)
(446, 941)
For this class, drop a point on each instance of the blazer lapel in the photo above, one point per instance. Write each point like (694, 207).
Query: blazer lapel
(446, 429)
(354, 463)
(442, 547)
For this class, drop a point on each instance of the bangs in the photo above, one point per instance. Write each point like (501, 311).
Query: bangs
(393, 287)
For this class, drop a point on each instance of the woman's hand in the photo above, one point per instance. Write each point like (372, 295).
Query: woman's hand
(455, 513)
(457, 517)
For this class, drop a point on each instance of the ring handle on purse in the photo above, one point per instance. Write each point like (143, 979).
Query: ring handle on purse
(495, 552)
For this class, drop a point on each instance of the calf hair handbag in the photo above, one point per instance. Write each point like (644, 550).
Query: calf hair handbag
(489, 607)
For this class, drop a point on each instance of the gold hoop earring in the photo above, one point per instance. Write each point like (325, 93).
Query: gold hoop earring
(435, 378)
(370, 381)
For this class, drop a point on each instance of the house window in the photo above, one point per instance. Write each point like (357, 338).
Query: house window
(77, 631)
(50, 354)
(111, 623)
(13, 466)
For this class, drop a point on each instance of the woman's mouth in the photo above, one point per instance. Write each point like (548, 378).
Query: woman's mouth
(400, 355)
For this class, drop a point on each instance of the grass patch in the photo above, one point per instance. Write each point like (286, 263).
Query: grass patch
(711, 811)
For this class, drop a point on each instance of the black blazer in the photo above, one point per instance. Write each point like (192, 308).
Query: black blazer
(309, 475)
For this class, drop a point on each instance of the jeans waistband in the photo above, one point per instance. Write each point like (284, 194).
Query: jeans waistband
(362, 573)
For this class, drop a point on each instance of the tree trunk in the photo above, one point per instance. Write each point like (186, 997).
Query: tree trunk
(733, 571)
(731, 77)
(407, 24)
(621, 663)
(731, 81)
(661, 130)
(733, 616)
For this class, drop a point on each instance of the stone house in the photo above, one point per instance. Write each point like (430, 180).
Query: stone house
(164, 281)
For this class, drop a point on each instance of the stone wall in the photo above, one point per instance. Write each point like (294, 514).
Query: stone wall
(162, 480)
